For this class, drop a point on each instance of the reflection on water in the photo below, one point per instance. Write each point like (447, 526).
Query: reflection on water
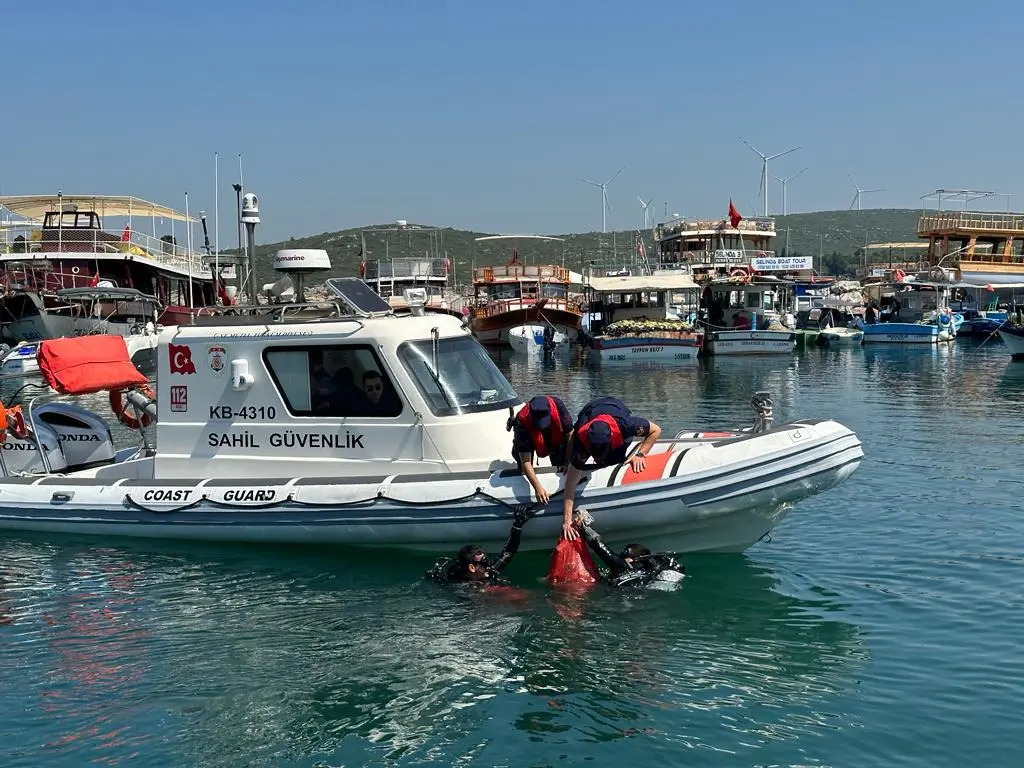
(188, 656)
(862, 634)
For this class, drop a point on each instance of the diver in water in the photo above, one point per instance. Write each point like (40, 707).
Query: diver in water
(472, 563)
(635, 565)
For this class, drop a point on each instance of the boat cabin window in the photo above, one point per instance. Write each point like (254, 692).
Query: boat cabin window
(456, 376)
(333, 381)
(502, 291)
(71, 220)
(554, 290)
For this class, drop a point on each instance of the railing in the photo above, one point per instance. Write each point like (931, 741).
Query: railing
(550, 272)
(492, 308)
(976, 220)
(681, 227)
(720, 257)
(86, 241)
(406, 268)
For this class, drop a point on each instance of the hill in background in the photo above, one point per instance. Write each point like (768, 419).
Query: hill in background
(837, 235)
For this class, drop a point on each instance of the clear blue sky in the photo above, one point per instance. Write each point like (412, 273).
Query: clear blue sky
(483, 115)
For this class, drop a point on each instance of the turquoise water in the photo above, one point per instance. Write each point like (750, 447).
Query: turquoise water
(881, 625)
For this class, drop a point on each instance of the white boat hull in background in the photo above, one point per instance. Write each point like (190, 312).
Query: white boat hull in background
(529, 339)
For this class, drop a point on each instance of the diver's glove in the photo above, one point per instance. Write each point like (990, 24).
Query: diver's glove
(522, 513)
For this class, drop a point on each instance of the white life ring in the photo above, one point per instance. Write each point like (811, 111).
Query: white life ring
(75, 270)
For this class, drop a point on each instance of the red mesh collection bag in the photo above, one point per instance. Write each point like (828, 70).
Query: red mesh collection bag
(571, 564)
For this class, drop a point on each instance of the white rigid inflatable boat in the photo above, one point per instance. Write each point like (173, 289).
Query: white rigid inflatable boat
(246, 451)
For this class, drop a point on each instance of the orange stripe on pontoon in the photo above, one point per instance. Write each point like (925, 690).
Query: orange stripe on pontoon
(717, 434)
(653, 470)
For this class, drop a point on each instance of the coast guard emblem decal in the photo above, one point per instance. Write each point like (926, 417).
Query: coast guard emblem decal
(218, 359)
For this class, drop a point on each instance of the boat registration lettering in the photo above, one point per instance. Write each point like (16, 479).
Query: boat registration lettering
(232, 440)
(250, 494)
(246, 412)
(616, 357)
(290, 439)
(167, 494)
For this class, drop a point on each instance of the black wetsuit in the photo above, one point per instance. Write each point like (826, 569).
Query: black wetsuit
(643, 570)
(450, 568)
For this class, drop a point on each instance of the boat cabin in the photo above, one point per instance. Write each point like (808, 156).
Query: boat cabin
(661, 296)
(713, 247)
(329, 393)
(745, 304)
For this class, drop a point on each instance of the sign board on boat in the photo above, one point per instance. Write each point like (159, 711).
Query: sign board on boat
(782, 264)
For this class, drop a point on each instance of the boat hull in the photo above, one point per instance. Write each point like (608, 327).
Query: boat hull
(905, 333)
(710, 495)
(494, 328)
(1014, 340)
(750, 342)
(839, 337)
(640, 350)
(529, 339)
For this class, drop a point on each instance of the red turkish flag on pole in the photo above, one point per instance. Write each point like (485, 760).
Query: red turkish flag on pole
(734, 215)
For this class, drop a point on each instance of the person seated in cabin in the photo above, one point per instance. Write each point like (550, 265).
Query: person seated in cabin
(472, 563)
(871, 314)
(541, 427)
(634, 566)
(603, 432)
(740, 322)
(323, 389)
(378, 398)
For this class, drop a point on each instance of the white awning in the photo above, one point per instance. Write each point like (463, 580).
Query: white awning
(677, 282)
(37, 206)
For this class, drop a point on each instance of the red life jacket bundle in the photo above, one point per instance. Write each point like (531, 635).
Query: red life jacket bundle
(541, 446)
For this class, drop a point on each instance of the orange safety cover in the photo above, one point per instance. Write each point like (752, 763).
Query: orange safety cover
(85, 364)
(571, 563)
(654, 468)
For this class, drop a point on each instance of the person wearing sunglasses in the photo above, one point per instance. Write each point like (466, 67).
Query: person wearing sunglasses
(380, 400)
(603, 432)
(472, 562)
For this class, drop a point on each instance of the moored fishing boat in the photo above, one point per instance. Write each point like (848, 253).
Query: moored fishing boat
(742, 315)
(639, 318)
(517, 293)
(265, 435)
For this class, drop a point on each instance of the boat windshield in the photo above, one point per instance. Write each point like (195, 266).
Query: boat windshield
(464, 379)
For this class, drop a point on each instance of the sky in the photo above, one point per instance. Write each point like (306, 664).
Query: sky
(485, 115)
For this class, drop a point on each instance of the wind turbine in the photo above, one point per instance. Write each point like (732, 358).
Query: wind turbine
(764, 169)
(644, 205)
(786, 181)
(604, 197)
(856, 197)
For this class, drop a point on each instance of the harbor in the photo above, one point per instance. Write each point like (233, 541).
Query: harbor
(385, 384)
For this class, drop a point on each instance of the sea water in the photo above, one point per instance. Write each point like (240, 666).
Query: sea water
(880, 625)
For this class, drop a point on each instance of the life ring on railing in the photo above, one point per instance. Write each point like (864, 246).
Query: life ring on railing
(13, 424)
(738, 272)
(121, 411)
(74, 270)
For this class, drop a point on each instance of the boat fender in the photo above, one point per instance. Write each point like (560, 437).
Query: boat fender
(14, 424)
(130, 420)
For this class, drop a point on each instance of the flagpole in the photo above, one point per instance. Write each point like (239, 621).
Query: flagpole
(216, 219)
(188, 256)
